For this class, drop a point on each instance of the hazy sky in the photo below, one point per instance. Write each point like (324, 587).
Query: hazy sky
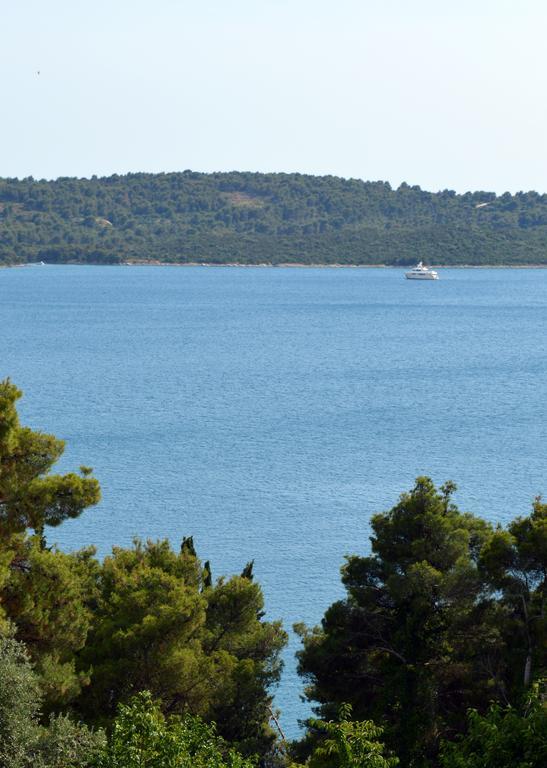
(440, 93)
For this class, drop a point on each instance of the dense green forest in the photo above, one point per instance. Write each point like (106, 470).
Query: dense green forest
(254, 218)
(436, 658)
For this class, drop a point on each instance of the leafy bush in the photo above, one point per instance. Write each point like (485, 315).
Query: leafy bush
(502, 738)
(24, 743)
(142, 737)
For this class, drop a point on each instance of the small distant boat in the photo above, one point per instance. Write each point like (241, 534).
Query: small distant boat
(421, 272)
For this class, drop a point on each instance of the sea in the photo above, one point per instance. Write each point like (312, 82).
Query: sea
(270, 412)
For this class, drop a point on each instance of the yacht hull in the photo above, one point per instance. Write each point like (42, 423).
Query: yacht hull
(410, 276)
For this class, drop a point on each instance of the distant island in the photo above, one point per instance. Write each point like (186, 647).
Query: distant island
(264, 218)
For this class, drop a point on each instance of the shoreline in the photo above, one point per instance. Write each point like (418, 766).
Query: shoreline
(298, 265)
(282, 265)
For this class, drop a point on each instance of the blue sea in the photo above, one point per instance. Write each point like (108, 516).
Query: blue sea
(270, 412)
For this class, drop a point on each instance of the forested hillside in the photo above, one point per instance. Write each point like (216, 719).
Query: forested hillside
(255, 218)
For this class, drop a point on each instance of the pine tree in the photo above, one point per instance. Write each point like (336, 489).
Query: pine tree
(31, 497)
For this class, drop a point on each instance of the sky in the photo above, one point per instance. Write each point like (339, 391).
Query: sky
(447, 94)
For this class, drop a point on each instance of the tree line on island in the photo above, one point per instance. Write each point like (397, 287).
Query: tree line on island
(435, 658)
(254, 218)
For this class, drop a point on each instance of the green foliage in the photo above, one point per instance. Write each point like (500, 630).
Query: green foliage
(142, 737)
(347, 743)
(144, 618)
(502, 738)
(30, 497)
(160, 625)
(66, 744)
(41, 590)
(445, 614)
(419, 637)
(264, 218)
(515, 561)
(19, 704)
(44, 597)
(24, 743)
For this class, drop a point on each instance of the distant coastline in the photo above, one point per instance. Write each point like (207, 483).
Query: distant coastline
(283, 265)
(297, 265)
(254, 219)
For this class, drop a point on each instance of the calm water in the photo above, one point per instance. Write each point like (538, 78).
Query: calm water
(270, 412)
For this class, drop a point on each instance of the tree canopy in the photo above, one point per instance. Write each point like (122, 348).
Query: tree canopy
(95, 633)
(31, 497)
(198, 647)
(424, 632)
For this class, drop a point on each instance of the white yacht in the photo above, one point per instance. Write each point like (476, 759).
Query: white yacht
(421, 272)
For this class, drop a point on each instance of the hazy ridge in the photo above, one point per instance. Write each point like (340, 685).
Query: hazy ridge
(253, 218)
